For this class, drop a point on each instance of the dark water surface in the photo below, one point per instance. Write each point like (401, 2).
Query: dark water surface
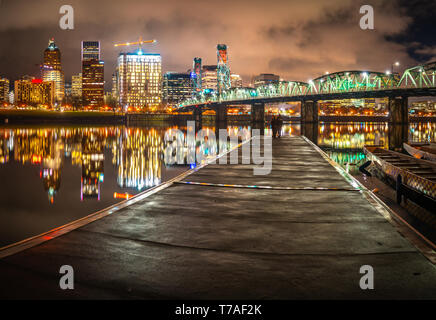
(51, 176)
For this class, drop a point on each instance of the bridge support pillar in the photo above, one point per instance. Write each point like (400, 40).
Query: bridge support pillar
(198, 114)
(398, 110)
(309, 111)
(310, 131)
(198, 117)
(258, 113)
(397, 134)
(221, 114)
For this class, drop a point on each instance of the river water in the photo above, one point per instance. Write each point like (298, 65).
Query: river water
(54, 175)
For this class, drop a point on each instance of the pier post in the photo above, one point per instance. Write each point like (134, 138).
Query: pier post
(398, 110)
(309, 111)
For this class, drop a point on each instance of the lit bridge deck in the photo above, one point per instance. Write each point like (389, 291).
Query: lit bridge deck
(206, 241)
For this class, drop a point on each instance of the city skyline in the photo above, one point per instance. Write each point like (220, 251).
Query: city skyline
(278, 43)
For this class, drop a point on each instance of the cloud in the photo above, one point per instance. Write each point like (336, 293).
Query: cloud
(297, 39)
(428, 51)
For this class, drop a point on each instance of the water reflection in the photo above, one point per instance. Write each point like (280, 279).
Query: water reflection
(422, 132)
(136, 154)
(83, 170)
(352, 135)
(344, 142)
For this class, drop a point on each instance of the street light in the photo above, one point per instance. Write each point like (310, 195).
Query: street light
(397, 64)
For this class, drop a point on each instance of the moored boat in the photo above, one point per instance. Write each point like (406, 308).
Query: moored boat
(415, 178)
(421, 151)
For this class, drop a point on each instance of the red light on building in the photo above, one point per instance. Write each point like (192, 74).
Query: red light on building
(36, 80)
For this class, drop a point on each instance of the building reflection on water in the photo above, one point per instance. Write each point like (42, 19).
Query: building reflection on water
(352, 135)
(344, 142)
(137, 154)
(92, 156)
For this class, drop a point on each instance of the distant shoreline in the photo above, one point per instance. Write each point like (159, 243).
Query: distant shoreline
(82, 117)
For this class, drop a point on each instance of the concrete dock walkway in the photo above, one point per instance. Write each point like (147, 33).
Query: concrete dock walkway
(203, 241)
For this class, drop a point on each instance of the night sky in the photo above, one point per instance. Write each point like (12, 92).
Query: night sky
(299, 40)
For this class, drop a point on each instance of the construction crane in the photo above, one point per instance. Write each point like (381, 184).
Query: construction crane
(139, 43)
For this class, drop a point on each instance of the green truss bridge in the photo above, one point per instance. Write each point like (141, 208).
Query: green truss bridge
(413, 82)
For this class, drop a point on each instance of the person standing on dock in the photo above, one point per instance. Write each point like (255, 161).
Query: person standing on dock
(274, 126)
(279, 126)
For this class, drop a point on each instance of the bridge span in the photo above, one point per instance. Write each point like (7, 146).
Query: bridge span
(413, 82)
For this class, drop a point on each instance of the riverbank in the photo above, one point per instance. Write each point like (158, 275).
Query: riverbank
(83, 117)
(41, 117)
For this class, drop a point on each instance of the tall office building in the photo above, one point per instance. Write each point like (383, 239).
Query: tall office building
(4, 90)
(31, 91)
(140, 80)
(236, 81)
(209, 77)
(115, 93)
(92, 74)
(68, 89)
(12, 97)
(176, 87)
(52, 70)
(76, 85)
(52, 56)
(93, 82)
(90, 50)
(265, 78)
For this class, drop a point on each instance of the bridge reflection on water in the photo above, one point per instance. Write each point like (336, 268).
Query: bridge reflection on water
(54, 175)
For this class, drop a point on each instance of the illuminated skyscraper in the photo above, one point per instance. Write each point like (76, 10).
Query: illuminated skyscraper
(12, 97)
(4, 90)
(140, 80)
(115, 93)
(90, 50)
(34, 92)
(223, 71)
(93, 82)
(52, 56)
(176, 87)
(265, 78)
(92, 74)
(76, 85)
(209, 77)
(236, 81)
(52, 70)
